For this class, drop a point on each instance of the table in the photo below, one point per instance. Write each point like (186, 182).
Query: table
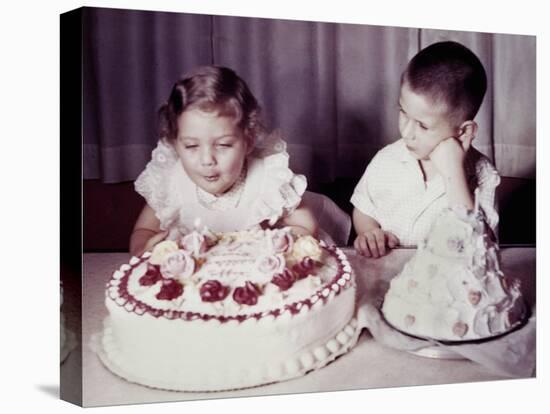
(368, 365)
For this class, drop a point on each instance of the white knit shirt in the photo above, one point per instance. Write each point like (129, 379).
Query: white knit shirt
(393, 192)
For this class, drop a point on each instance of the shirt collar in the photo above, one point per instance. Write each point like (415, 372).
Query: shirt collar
(403, 153)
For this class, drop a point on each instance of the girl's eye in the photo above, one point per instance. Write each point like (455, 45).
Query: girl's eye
(423, 127)
(190, 146)
(224, 145)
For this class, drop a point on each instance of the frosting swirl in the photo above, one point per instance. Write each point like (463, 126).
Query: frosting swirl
(270, 264)
(178, 265)
(161, 250)
(306, 246)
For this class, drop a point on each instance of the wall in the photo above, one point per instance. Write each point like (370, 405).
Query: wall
(110, 211)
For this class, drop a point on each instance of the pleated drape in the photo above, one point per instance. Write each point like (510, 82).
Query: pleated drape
(332, 89)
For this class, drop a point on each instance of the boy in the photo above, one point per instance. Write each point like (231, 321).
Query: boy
(433, 164)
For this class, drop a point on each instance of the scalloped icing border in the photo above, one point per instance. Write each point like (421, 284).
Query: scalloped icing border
(116, 290)
(312, 359)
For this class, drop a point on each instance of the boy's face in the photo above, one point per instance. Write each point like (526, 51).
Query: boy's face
(423, 124)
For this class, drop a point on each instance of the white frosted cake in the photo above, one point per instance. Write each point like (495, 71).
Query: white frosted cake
(216, 312)
(453, 289)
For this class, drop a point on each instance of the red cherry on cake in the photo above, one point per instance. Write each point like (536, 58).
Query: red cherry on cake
(247, 294)
(213, 291)
(304, 268)
(171, 289)
(284, 280)
(152, 275)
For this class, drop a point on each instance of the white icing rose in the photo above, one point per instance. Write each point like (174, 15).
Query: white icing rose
(195, 243)
(161, 250)
(178, 265)
(306, 246)
(270, 264)
(280, 241)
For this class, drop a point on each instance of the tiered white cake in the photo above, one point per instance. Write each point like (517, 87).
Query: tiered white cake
(453, 289)
(216, 312)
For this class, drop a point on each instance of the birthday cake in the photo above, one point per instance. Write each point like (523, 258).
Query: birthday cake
(453, 289)
(213, 312)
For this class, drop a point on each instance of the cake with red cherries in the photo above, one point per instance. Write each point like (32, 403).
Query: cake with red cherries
(453, 289)
(209, 312)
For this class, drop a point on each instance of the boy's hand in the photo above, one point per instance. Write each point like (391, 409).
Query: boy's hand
(375, 243)
(448, 157)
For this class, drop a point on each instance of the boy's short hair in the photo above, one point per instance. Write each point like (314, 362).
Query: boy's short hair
(451, 74)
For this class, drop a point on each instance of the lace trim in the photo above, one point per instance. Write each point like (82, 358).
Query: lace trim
(282, 191)
(151, 183)
(280, 195)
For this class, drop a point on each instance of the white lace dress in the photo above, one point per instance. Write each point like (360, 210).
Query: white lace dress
(267, 191)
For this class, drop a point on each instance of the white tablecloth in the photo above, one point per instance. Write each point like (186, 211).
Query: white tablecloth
(368, 365)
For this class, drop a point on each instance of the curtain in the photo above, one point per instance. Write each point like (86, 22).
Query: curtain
(332, 89)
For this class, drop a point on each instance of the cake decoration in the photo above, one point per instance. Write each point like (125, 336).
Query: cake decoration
(452, 289)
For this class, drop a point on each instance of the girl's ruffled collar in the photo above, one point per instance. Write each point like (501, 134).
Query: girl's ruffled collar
(281, 189)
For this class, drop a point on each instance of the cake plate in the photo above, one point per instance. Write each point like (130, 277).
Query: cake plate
(438, 349)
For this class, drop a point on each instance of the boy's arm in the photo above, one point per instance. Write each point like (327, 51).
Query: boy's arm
(371, 240)
(448, 158)
(458, 191)
(146, 232)
(363, 223)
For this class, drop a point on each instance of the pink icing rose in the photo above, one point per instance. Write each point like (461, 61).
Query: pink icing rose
(195, 243)
(247, 294)
(270, 264)
(213, 291)
(284, 280)
(281, 241)
(178, 265)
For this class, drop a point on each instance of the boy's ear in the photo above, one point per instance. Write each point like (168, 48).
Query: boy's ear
(466, 133)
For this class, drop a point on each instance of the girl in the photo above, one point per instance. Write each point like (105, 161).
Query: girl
(210, 166)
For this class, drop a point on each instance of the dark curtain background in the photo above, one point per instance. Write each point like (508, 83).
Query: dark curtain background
(331, 88)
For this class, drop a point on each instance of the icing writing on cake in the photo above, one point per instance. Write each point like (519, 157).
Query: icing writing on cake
(230, 269)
